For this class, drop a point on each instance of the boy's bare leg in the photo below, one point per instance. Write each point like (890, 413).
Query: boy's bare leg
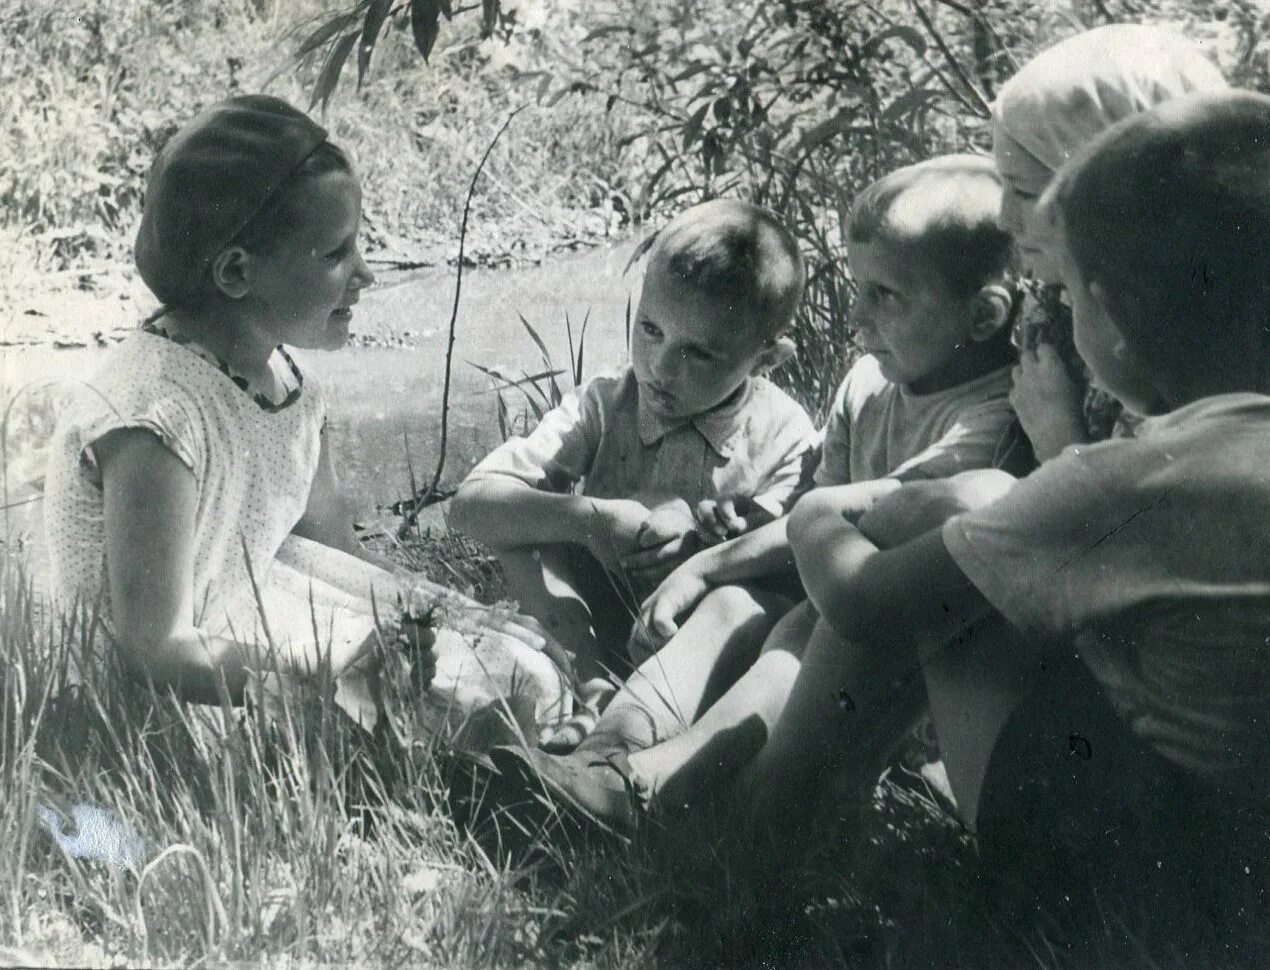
(736, 726)
(849, 708)
(543, 581)
(853, 704)
(973, 688)
(671, 689)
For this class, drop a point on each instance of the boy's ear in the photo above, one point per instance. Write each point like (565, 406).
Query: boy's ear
(1122, 351)
(990, 311)
(231, 272)
(778, 351)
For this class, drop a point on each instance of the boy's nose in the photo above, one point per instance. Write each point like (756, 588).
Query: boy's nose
(363, 275)
(666, 364)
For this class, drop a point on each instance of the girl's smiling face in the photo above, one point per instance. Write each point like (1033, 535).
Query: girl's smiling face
(1025, 179)
(303, 287)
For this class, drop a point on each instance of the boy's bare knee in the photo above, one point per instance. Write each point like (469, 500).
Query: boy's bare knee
(740, 604)
(982, 486)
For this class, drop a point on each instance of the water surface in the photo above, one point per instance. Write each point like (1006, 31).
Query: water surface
(385, 398)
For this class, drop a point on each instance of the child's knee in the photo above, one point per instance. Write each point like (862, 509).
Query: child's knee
(982, 486)
(734, 604)
(737, 608)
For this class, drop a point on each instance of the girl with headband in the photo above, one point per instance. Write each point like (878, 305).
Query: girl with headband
(191, 501)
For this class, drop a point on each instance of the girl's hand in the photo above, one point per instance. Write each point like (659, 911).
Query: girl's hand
(1048, 402)
(414, 638)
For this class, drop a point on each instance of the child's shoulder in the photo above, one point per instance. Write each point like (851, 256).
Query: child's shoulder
(773, 404)
(139, 366)
(146, 371)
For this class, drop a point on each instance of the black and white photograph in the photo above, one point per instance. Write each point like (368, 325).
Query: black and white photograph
(635, 484)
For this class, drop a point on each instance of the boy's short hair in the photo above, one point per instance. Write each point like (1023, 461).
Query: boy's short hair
(946, 210)
(736, 252)
(1169, 211)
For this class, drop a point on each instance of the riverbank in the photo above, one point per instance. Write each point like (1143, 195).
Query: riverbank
(385, 389)
(90, 89)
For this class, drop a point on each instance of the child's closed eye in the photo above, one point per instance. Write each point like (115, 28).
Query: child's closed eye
(341, 251)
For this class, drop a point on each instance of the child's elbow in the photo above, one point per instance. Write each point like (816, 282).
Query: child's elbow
(465, 509)
(810, 510)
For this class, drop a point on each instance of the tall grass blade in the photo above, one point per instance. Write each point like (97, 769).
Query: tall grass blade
(542, 347)
(577, 364)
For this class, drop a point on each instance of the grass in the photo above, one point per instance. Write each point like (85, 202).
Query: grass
(298, 839)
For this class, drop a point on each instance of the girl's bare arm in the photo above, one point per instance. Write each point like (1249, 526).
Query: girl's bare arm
(150, 501)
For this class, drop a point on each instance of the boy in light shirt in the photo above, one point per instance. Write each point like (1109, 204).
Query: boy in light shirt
(589, 512)
(927, 402)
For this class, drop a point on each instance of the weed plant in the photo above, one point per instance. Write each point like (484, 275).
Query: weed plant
(280, 834)
(90, 89)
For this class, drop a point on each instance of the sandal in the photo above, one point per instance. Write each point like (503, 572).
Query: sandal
(596, 785)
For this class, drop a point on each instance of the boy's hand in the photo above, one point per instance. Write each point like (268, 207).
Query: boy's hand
(730, 516)
(668, 537)
(667, 522)
(615, 528)
(1048, 402)
(679, 593)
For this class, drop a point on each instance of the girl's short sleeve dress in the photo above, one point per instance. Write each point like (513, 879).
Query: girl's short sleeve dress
(253, 464)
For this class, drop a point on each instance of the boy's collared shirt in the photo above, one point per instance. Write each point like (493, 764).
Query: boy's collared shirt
(1151, 556)
(878, 429)
(605, 439)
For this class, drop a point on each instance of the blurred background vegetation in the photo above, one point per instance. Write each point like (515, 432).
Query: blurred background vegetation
(634, 108)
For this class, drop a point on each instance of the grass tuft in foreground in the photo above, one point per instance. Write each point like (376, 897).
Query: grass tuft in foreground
(300, 839)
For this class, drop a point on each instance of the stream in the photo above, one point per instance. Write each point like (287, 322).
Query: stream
(384, 390)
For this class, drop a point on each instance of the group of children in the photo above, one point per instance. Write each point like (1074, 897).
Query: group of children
(746, 604)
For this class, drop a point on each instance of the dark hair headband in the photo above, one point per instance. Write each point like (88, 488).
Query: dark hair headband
(211, 179)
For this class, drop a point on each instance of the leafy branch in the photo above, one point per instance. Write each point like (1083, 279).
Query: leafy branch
(362, 26)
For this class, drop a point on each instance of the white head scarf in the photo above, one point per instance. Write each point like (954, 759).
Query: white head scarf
(1070, 92)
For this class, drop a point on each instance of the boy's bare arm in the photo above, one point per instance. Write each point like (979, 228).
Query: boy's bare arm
(926, 504)
(914, 593)
(762, 552)
(510, 515)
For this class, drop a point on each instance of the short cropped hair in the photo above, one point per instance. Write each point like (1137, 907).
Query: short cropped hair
(945, 210)
(738, 253)
(1169, 211)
